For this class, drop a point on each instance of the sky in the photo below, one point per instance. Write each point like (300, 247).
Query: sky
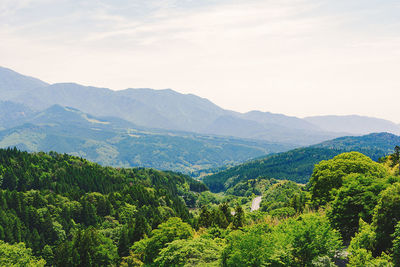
(296, 57)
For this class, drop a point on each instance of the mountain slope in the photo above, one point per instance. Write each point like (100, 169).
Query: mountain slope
(264, 130)
(187, 111)
(112, 141)
(279, 119)
(165, 109)
(13, 84)
(97, 101)
(11, 113)
(58, 195)
(297, 165)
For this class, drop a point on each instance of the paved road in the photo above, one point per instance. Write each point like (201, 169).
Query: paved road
(255, 204)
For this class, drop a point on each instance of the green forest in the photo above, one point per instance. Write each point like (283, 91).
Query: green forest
(62, 210)
(297, 165)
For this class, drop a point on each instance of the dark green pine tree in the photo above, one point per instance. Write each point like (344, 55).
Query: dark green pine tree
(224, 207)
(396, 156)
(238, 219)
(9, 180)
(124, 242)
(205, 217)
(48, 255)
(35, 240)
(141, 228)
(219, 218)
(88, 215)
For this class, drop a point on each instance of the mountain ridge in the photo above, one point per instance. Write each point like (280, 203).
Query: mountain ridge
(170, 110)
(115, 142)
(12, 83)
(297, 164)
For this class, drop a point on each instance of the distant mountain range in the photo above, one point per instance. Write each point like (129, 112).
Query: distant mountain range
(116, 142)
(167, 109)
(154, 128)
(297, 165)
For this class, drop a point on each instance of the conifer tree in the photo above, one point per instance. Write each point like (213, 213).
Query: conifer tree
(238, 219)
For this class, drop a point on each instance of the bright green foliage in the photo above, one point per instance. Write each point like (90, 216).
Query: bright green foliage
(362, 246)
(75, 213)
(283, 194)
(393, 161)
(364, 258)
(310, 236)
(329, 174)
(18, 255)
(254, 247)
(207, 197)
(295, 242)
(190, 252)
(171, 230)
(132, 260)
(386, 216)
(50, 201)
(364, 239)
(355, 199)
(283, 213)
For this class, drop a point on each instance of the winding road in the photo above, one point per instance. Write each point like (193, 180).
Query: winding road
(255, 204)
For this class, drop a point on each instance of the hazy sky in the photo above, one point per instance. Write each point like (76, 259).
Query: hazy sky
(298, 57)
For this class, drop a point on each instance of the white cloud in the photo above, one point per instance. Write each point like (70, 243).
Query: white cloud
(300, 57)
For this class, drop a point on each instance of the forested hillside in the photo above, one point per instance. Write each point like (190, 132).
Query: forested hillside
(52, 202)
(59, 210)
(119, 143)
(297, 165)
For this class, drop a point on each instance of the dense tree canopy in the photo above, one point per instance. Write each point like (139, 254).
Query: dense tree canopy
(18, 255)
(190, 252)
(78, 213)
(329, 174)
(386, 216)
(295, 242)
(355, 199)
(59, 210)
(173, 229)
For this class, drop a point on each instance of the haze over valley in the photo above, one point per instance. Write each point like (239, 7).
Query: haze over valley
(154, 128)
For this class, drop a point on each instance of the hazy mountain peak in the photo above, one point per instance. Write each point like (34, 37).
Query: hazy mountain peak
(279, 119)
(171, 110)
(12, 83)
